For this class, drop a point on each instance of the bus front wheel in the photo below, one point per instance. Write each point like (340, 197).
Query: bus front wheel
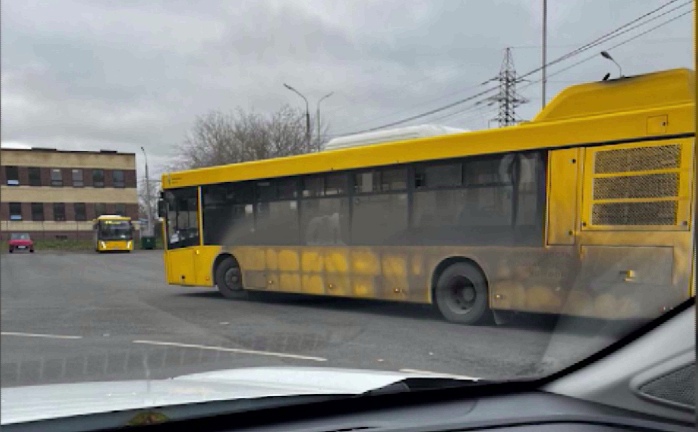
(229, 279)
(461, 294)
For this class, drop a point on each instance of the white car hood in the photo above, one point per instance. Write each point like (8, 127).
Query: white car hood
(22, 404)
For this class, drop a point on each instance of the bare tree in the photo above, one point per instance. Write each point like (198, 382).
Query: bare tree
(143, 199)
(219, 138)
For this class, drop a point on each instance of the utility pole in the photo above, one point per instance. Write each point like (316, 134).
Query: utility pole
(317, 119)
(307, 114)
(545, 50)
(149, 227)
(507, 97)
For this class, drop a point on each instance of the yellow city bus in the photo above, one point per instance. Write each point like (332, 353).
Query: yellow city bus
(588, 209)
(112, 233)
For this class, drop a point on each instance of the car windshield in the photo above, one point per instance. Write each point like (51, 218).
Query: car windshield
(345, 193)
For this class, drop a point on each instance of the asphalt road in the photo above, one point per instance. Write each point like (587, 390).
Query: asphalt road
(69, 317)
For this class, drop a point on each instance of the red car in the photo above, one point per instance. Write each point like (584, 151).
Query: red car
(21, 241)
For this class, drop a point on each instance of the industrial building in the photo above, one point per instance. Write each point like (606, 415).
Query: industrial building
(55, 194)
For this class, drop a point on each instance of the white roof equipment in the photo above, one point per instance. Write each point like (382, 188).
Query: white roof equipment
(390, 135)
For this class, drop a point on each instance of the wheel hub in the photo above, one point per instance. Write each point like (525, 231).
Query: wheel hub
(232, 278)
(462, 296)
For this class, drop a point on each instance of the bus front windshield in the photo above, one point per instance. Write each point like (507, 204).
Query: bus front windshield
(115, 230)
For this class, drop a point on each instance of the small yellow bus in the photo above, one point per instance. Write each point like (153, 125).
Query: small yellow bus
(589, 209)
(112, 233)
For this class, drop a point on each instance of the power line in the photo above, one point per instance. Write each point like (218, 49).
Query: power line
(430, 101)
(604, 38)
(434, 111)
(648, 41)
(612, 47)
(612, 35)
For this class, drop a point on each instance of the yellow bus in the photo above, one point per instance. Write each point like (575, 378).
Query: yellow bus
(112, 233)
(588, 209)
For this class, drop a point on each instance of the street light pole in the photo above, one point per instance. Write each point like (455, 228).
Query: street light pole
(317, 119)
(307, 114)
(147, 196)
(545, 49)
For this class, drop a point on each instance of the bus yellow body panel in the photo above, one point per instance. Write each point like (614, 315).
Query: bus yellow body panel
(614, 152)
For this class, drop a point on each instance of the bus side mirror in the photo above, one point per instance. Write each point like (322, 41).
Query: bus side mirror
(162, 208)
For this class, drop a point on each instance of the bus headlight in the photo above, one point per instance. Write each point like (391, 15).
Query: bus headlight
(128, 245)
(102, 245)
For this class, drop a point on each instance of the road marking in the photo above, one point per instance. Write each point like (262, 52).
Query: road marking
(232, 350)
(40, 335)
(439, 374)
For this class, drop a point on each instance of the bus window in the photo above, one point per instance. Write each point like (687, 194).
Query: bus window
(379, 219)
(336, 184)
(228, 213)
(276, 216)
(313, 186)
(501, 201)
(393, 179)
(325, 221)
(438, 175)
(182, 218)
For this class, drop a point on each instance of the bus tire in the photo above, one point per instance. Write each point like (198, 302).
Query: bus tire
(461, 294)
(229, 279)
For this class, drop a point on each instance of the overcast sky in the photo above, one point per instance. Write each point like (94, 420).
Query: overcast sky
(124, 74)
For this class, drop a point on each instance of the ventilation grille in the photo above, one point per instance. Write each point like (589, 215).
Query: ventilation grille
(638, 159)
(677, 387)
(626, 191)
(635, 213)
(642, 186)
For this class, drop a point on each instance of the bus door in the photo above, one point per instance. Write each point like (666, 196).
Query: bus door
(181, 235)
(634, 240)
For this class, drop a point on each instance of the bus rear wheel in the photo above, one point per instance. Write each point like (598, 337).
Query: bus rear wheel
(461, 294)
(229, 279)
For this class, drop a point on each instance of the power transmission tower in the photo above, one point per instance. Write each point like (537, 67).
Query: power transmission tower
(507, 98)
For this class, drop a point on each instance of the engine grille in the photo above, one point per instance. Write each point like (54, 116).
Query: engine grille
(637, 186)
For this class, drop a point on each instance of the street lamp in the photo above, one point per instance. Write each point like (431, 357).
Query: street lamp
(606, 55)
(545, 51)
(317, 119)
(307, 114)
(147, 196)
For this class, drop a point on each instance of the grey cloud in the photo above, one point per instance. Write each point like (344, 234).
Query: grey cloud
(105, 74)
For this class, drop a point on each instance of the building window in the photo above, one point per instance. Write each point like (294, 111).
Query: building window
(98, 178)
(80, 212)
(56, 177)
(100, 209)
(15, 211)
(58, 212)
(12, 175)
(120, 209)
(34, 176)
(37, 211)
(118, 177)
(77, 178)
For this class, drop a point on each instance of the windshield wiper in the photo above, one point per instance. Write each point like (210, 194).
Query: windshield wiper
(416, 384)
